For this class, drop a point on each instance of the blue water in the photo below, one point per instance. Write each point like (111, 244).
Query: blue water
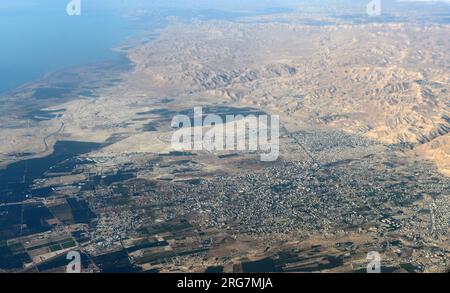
(37, 37)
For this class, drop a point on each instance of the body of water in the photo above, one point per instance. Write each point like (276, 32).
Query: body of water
(39, 37)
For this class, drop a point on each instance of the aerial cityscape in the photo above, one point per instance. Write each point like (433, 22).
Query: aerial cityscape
(225, 136)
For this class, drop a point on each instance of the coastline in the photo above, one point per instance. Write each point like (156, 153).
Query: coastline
(90, 80)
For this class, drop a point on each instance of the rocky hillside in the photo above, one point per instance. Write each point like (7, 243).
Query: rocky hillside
(385, 81)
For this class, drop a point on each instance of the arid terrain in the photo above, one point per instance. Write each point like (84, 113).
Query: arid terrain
(364, 151)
